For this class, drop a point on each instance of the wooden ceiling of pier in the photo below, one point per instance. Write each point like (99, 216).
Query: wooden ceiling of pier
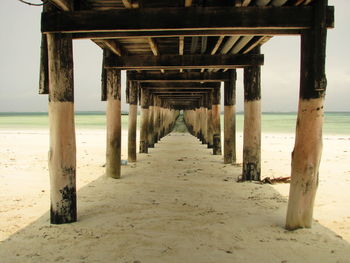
(164, 42)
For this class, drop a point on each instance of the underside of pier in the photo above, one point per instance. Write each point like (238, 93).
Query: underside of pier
(177, 55)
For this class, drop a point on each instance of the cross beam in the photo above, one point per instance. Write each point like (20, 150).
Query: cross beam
(255, 19)
(180, 85)
(184, 62)
(179, 77)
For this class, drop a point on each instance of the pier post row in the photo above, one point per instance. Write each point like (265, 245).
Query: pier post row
(132, 95)
(176, 54)
(230, 118)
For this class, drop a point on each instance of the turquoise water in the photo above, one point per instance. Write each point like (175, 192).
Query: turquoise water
(335, 122)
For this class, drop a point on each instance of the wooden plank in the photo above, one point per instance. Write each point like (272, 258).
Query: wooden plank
(217, 45)
(179, 92)
(185, 61)
(113, 46)
(240, 44)
(154, 19)
(181, 85)
(188, 3)
(178, 77)
(181, 45)
(153, 45)
(194, 44)
(185, 33)
(259, 41)
(170, 89)
(65, 5)
(130, 4)
(229, 44)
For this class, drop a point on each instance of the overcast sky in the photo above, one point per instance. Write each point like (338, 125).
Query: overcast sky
(19, 64)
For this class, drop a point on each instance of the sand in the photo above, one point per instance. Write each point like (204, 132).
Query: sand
(178, 203)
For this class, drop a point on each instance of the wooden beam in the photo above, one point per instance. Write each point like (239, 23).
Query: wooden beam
(181, 45)
(185, 33)
(188, 3)
(185, 61)
(170, 89)
(259, 41)
(65, 5)
(242, 2)
(262, 2)
(178, 77)
(153, 45)
(217, 45)
(179, 97)
(130, 4)
(154, 19)
(194, 44)
(240, 44)
(179, 92)
(113, 46)
(180, 85)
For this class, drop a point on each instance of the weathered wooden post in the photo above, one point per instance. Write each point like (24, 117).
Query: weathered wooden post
(203, 123)
(144, 121)
(197, 123)
(113, 153)
(252, 123)
(230, 118)
(62, 154)
(44, 59)
(132, 122)
(150, 136)
(307, 151)
(210, 119)
(216, 122)
(156, 120)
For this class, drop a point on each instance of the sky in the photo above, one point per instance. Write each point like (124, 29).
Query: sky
(19, 66)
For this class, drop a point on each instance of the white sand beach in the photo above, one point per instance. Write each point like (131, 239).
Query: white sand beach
(179, 203)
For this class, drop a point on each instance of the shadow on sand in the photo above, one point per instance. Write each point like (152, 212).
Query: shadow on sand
(175, 206)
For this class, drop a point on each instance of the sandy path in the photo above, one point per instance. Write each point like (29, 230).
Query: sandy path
(177, 204)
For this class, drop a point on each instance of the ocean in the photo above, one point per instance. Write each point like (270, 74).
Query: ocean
(336, 123)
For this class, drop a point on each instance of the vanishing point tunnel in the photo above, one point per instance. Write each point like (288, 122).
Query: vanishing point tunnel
(177, 53)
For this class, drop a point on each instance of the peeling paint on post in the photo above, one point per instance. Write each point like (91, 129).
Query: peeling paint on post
(230, 119)
(252, 123)
(62, 154)
(307, 151)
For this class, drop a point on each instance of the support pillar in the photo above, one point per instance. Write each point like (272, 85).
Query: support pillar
(144, 121)
(62, 154)
(210, 120)
(230, 119)
(252, 123)
(150, 137)
(132, 122)
(203, 122)
(307, 151)
(113, 153)
(216, 122)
